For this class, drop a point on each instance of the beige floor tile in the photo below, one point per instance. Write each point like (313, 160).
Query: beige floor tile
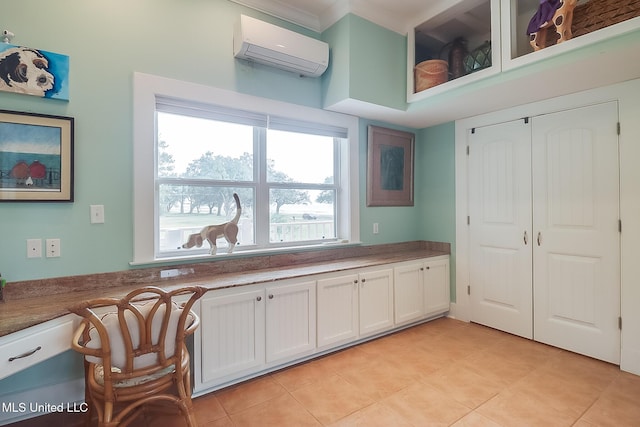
(473, 419)
(572, 366)
(222, 422)
(376, 415)
(379, 379)
(522, 351)
(283, 410)
(463, 385)
(449, 347)
(347, 359)
(619, 404)
(610, 412)
(242, 396)
(300, 375)
(424, 405)
(496, 367)
(523, 410)
(572, 395)
(208, 408)
(420, 363)
(331, 399)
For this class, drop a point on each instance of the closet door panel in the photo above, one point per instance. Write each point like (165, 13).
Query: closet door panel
(500, 227)
(576, 254)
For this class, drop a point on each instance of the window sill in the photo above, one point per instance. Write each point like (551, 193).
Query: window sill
(243, 254)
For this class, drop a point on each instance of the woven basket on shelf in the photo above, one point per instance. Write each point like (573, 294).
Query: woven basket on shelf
(597, 14)
(430, 73)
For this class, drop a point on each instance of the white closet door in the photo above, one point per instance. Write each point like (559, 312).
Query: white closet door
(500, 227)
(577, 254)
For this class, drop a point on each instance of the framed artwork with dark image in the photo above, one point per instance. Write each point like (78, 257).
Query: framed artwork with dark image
(36, 157)
(390, 158)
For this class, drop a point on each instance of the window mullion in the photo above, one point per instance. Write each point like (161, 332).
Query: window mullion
(262, 190)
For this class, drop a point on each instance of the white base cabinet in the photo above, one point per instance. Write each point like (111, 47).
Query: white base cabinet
(232, 334)
(250, 330)
(421, 289)
(245, 329)
(354, 305)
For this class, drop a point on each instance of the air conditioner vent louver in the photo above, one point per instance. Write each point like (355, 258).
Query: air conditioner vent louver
(272, 45)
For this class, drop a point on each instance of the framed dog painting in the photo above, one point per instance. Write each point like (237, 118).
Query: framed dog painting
(390, 158)
(36, 157)
(34, 72)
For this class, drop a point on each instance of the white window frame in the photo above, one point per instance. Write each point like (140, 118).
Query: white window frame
(147, 88)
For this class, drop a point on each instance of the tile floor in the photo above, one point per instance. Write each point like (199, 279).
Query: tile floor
(440, 373)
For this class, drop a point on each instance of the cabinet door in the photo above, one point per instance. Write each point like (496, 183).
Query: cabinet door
(337, 309)
(376, 301)
(291, 320)
(436, 286)
(232, 335)
(408, 296)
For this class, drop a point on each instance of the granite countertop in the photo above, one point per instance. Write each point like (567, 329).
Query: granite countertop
(30, 303)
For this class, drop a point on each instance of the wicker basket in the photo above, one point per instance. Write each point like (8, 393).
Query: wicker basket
(597, 14)
(430, 73)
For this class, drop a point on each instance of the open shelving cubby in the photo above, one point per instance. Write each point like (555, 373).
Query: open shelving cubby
(477, 22)
(593, 21)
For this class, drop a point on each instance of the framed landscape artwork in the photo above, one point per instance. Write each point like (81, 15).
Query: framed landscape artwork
(36, 157)
(390, 157)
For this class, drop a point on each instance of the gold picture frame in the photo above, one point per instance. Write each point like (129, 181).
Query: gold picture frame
(390, 163)
(36, 157)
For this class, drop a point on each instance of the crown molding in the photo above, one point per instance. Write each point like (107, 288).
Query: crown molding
(319, 22)
(285, 12)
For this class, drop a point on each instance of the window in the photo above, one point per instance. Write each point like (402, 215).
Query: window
(291, 166)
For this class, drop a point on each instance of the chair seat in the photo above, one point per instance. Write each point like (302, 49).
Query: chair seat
(98, 374)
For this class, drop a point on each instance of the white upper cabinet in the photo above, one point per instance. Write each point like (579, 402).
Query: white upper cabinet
(465, 34)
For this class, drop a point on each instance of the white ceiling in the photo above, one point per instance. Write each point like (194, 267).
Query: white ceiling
(318, 15)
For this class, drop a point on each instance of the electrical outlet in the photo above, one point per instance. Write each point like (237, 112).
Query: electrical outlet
(52, 248)
(34, 248)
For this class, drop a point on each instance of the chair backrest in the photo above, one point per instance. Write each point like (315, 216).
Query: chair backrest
(142, 333)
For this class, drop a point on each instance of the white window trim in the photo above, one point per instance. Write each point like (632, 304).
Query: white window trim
(147, 87)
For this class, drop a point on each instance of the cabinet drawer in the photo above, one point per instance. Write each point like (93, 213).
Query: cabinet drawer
(25, 348)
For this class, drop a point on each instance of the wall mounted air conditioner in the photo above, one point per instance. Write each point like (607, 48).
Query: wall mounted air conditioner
(269, 44)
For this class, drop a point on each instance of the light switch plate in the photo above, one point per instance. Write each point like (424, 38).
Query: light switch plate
(97, 214)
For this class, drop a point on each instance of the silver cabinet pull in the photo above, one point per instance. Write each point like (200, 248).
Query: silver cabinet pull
(526, 239)
(539, 237)
(27, 354)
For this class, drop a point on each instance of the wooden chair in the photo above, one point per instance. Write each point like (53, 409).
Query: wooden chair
(136, 355)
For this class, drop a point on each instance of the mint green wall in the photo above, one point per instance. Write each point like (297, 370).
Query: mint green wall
(435, 188)
(378, 73)
(335, 81)
(106, 43)
(369, 64)
(395, 224)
